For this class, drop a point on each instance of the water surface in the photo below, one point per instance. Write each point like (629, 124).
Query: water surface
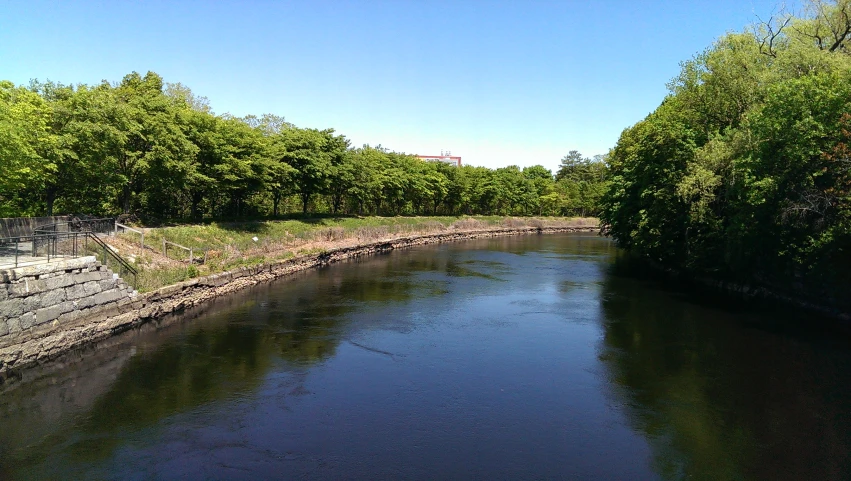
(514, 358)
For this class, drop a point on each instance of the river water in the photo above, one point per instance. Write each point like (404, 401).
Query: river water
(527, 357)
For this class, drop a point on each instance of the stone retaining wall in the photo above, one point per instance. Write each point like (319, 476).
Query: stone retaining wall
(36, 300)
(66, 325)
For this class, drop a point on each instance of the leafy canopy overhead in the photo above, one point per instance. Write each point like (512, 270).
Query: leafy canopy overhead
(743, 170)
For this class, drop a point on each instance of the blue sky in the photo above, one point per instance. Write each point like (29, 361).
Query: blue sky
(498, 83)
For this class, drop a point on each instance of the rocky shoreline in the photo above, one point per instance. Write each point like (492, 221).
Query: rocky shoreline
(41, 347)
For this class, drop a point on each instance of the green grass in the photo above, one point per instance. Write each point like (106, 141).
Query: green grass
(231, 244)
(240, 235)
(152, 279)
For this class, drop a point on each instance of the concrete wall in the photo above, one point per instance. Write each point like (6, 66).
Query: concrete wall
(37, 299)
(21, 226)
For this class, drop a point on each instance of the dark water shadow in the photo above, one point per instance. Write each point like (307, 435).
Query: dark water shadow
(727, 390)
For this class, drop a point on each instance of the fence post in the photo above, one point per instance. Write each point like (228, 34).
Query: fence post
(190, 256)
(166, 255)
(16, 251)
(142, 242)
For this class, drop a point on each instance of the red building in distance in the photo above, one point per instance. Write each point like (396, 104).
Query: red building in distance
(446, 158)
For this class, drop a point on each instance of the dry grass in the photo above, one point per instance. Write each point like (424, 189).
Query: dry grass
(230, 245)
(468, 223)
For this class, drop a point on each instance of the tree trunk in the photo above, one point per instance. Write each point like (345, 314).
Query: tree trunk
(276, 200)
(305, 198)
(196, 202)
(51, 197)
(336, 200)
(125, 198)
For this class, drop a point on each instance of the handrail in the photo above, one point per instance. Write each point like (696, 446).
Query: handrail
(191, 250)
(126, 228)
(38, 241)
(107, 249)
(41, 247)
(77, 225)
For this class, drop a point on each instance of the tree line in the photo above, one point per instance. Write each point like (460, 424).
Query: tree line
(156, 150)
(744, 170)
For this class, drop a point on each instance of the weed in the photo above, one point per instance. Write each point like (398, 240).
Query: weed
(229, 245)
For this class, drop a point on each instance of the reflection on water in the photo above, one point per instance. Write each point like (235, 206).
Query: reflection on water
(721, 394)
(526, 357)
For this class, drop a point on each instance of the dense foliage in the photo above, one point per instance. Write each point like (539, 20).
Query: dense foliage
(744, 170)
(157, 151)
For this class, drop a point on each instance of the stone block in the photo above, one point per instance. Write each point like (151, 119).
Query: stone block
(67, 306)
(14, 325)
(87, 277)
(32, 303)
(74, 292)
(18, 289)
(106, 297)
(165, 292)
(59, 282)
(47, 314)
(106, 311)
(216, 280)
(85, 302)
(4, 327)
(126, 304)
(4, 292)
(107, 284)
(48, 269)
(27, 320)
(11, 307)
(51, 298)
(27, 287)
(70, 316)
(91, 288)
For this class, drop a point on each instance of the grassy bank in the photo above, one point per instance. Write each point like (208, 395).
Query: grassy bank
(219, 247)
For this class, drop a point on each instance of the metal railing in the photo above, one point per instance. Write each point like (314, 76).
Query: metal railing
(98, 226)
(190, 250)
(65, 240)
(127, 228)
(111, 258)
(33, 249)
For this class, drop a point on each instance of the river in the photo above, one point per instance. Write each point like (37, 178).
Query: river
(529, 357)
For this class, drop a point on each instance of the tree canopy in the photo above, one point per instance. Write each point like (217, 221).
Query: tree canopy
(157, 150)
(744, 171)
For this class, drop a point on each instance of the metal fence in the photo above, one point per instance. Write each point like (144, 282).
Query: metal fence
(37, 248)
(65, 241)
(97, 226)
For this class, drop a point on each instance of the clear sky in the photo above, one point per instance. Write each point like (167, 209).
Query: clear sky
(496, 82)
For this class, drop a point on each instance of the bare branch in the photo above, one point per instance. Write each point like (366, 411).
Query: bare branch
(770, 33)
(841, 31)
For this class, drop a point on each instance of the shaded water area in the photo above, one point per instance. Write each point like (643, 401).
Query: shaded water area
(526, 357)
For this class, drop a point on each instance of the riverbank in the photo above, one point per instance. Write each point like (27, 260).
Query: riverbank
(224, 246)
(749, 292)
(31, 349)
